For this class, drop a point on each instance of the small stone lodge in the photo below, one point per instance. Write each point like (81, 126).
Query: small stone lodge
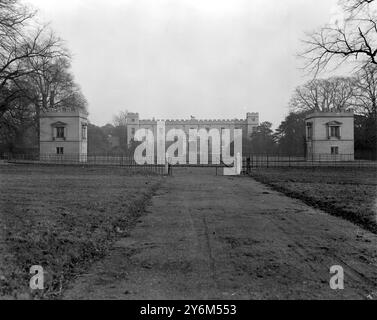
(63, 135)
(330, 136)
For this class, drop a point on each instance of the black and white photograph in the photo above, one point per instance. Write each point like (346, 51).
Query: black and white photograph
(188, 155)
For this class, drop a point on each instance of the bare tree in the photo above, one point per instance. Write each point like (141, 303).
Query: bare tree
(120, 120)
(354, 6)
(366, 108)
(21, 40)
(51, 85)
(14, 17)
(352, 38)
(366, 93)
(34, 70)
(335, 93)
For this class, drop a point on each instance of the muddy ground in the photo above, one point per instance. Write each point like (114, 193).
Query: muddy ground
(213, 237)
(350, 193)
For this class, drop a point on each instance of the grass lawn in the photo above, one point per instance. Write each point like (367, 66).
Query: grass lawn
(350, 193)
(63, 218)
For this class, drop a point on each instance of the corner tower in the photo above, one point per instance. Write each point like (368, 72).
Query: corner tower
(252, 122)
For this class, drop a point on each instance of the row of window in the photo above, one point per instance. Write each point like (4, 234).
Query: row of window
(61, 132)
(333, 131)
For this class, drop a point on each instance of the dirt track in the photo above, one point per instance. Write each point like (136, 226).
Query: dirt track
(209, 237)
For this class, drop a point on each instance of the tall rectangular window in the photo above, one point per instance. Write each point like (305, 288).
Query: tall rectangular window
(83, 131)
(309, 129)
(60, 132)
(59, 150)
(335, 131)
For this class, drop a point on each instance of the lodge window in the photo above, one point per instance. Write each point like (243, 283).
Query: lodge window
(59, 150)
(83, 131)
(334, 131)
(309, 131)
(334, 150)
(132, 131)
(60, 132)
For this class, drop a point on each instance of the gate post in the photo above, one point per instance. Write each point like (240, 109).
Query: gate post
(248, 165)
(166, 167)
(238, 164)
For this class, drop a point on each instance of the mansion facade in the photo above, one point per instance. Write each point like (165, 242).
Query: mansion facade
(248, 125)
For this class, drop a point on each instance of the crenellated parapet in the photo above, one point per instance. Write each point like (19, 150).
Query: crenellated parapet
(195, 121)
(248, 124)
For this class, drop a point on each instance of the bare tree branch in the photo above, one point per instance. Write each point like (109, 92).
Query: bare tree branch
(354, 38)
(335, 93)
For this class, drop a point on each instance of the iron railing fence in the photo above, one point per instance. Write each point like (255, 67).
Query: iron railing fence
(84, 160)
(249, 161)
(294, 161)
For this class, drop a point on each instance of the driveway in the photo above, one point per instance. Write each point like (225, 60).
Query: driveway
(216, 237)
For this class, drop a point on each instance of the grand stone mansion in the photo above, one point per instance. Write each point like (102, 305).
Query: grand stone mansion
(248, 125)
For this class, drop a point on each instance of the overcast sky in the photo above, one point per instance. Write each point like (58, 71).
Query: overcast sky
(176, 58)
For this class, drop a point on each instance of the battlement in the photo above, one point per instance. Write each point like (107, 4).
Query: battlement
(247, 124)
(194, 121)
(132, 114)
(199, 121)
